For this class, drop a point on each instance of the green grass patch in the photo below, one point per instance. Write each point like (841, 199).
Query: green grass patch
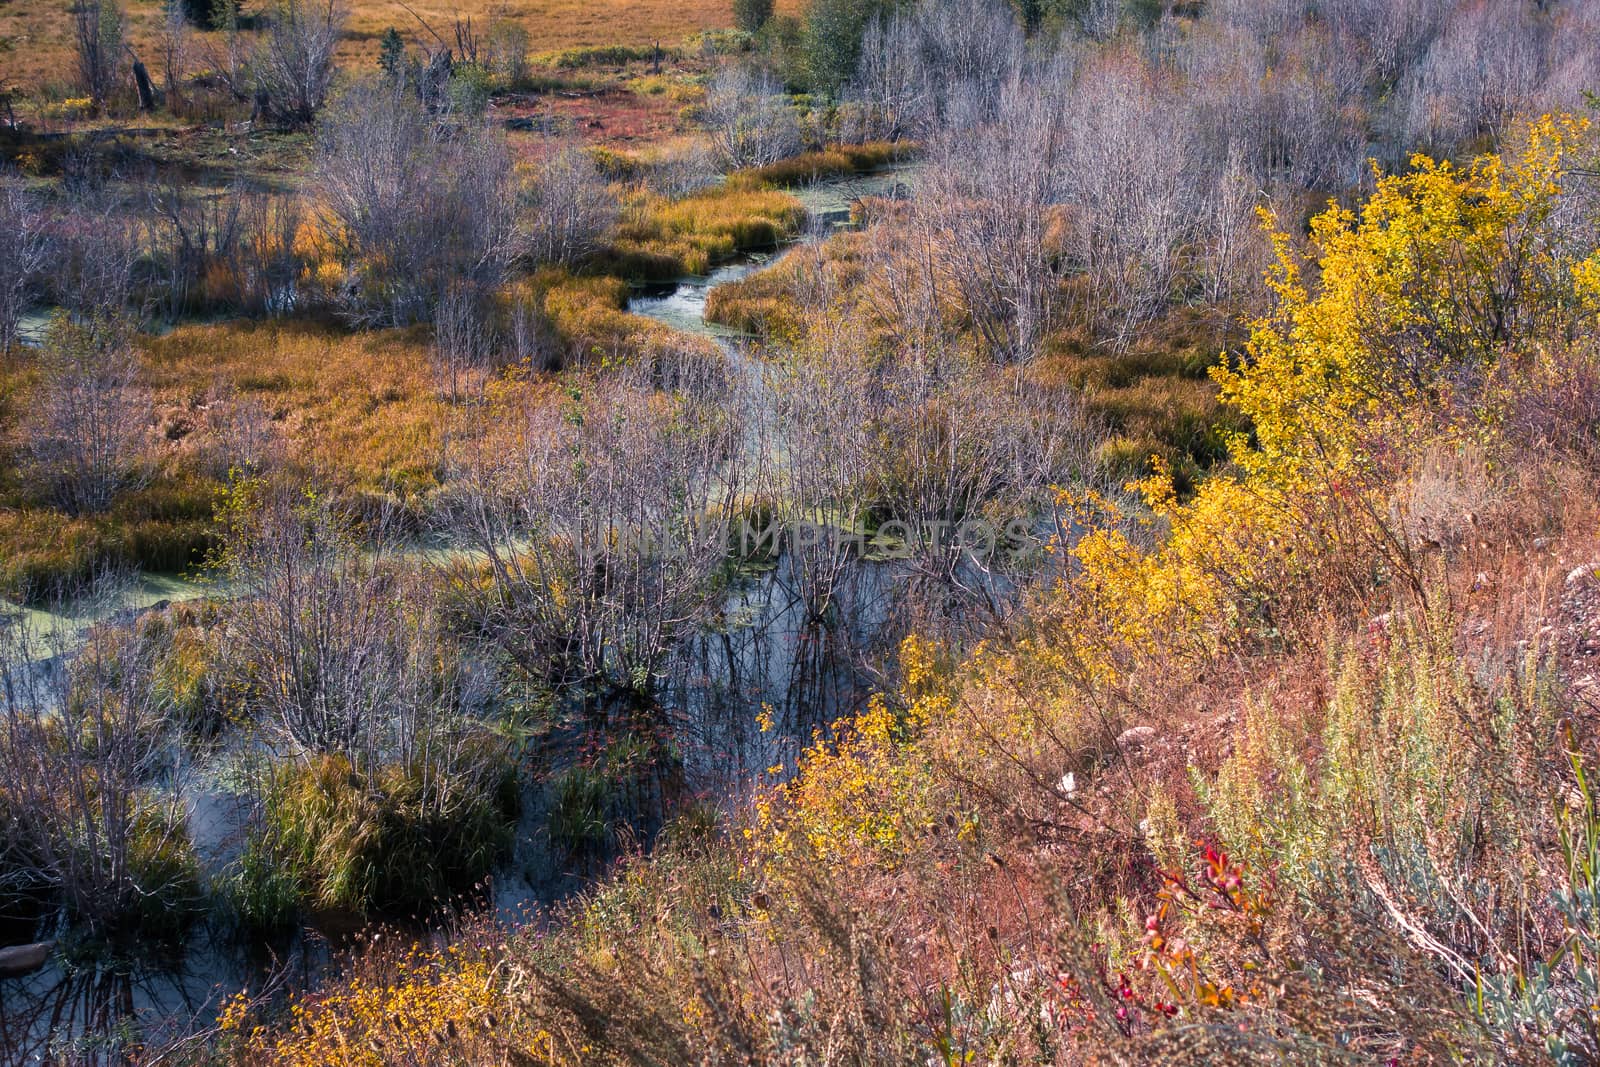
(397, 840)
(840, 161)
(606, 55)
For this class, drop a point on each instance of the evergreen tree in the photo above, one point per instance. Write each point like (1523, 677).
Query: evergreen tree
(833, 33)
(392, 53)
(751, 15)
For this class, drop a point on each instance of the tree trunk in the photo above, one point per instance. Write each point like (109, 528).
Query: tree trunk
(147, 93)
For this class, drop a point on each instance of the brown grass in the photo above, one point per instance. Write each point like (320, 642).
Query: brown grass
(358, 410)
(1155, 397)
(557, 24)
(837, 162)
(612, 117)
(36, 37)
(772, 303)
(356, 414)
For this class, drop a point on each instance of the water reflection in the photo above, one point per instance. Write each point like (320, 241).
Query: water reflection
(125, 1011)
(682, 304)
(769, 657)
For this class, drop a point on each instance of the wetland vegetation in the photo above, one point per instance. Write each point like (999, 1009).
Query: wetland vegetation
(840, 532)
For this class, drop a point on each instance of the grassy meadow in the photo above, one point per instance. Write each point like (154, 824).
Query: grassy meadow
(36, 39)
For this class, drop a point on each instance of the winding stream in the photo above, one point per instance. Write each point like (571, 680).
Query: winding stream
(764, 655)
(680, 305)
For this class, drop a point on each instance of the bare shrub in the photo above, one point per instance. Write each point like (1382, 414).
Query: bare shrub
(684, 171)
(324, 637)
(232, 64)
(1398, 34)
(983, 203)
(1263, 19)
(596, 529)
(1573, 67)
(89, 417)
(506, 50)
(1291, 107)
(294, 63)
(971, 50)
(965, 468)
(823, 444)
(175, 45)
(266, 267)
(421, 204)
(1484, 66)
(83, 742)
(1236, 249)
(891, 86)
(942, 464)
(462, 339)
(751, 121)
(233, 249)
(24, 251)
(396, 795)
(98, 250)
(99, 36)
(1098, 20)
(1129, 170)
(194, 232)
(567, 208)
(938, 66)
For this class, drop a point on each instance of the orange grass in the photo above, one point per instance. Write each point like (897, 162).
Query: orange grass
(358, 410)
(36, 37)
(661, 239)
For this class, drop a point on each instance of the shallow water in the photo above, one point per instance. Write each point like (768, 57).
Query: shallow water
(32, 325)
(682, 304)
(829, 203)
(764, 657)
(50, 630)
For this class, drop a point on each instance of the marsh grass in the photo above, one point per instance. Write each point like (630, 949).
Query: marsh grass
(608, 796)
(163, 527)
(260, 896)
(663, 239)
(397, 840)
(589, 318)
(184, 678)
(358, 411)
(839, 161)
(772, 304)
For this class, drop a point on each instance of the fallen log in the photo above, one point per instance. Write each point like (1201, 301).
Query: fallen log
(21, 960)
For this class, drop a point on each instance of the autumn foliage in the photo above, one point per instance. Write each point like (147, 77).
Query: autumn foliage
(1269, 773)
